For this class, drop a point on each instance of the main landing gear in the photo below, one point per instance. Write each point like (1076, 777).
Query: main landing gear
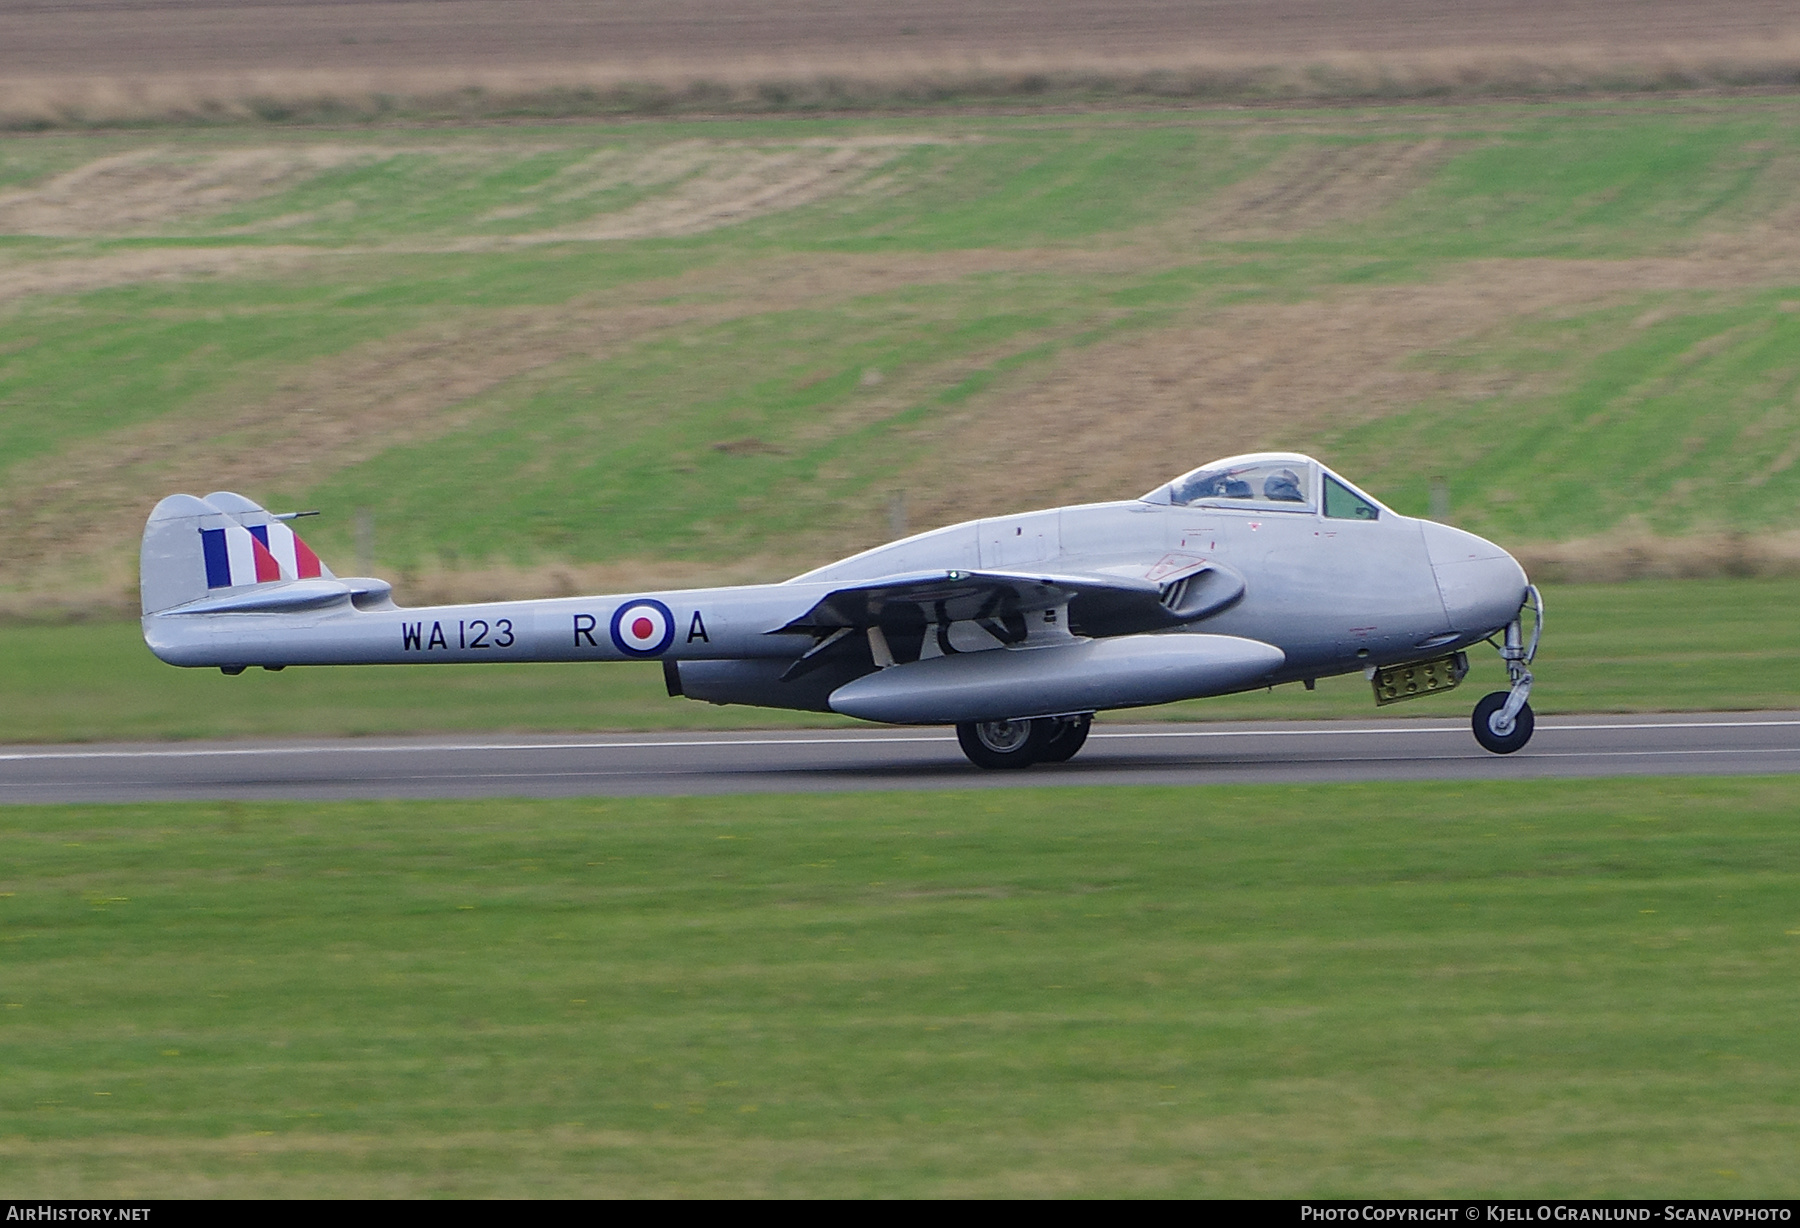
(1019, 744)
(1503, 720)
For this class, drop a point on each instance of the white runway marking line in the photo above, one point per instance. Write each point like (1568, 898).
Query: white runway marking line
(727, 773)
(878, 739)
(1461, 728)
(1622, 754)
(439, 747)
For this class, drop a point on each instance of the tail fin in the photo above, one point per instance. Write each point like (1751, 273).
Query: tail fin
(222, 544)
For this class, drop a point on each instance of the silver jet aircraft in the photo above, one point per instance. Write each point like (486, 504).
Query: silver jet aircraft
(1246, 573)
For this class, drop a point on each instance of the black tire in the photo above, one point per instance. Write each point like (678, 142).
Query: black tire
(1067, 735)
(1004, 744)
(1485, 711)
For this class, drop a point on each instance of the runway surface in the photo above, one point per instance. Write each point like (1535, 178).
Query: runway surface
(819, 760)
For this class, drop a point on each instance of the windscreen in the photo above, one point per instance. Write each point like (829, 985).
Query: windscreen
(1342, 503)
(1280, 484)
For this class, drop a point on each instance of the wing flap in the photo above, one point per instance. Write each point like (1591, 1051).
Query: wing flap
(1101, 605)
(960, 596)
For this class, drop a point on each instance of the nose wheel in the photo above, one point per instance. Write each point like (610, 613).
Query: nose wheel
(1503, 721)
(1495, 734)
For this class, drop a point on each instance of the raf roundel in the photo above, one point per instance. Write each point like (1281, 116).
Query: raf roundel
(643, 628)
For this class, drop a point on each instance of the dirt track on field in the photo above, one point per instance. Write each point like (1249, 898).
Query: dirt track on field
(699, 185)
(140, 192)
(46, 38)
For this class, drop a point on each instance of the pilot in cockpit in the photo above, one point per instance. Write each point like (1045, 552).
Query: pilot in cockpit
(1283, 486)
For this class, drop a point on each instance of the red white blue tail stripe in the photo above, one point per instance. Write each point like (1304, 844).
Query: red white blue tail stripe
(258, 554)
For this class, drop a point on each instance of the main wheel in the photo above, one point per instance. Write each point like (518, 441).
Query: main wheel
(1004, 744)
(1483, 722)
(1067, 734)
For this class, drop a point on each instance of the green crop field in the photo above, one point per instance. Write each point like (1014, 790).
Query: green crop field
(572, 354)
(1547, 989)
(1633, 647)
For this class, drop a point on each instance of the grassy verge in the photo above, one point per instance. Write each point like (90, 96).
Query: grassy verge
(1534, 989)
(1668, 645)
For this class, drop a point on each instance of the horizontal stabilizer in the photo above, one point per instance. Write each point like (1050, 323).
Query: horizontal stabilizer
(295, 595)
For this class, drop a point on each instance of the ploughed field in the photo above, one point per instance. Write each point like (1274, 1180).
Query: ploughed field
(1534, 990)
(75, 62)
(45, 37)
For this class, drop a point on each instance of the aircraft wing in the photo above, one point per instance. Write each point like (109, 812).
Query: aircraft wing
(998, 600)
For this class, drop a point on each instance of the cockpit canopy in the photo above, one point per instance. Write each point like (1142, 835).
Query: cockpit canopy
(1268, 481)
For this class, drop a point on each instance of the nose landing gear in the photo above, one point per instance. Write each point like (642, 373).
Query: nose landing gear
(1019, 744)
(1503, 721)
(1494, 731)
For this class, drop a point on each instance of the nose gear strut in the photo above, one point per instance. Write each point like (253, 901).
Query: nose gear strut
(1503, 721)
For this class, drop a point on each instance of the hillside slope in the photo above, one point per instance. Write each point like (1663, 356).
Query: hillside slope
(542, 358)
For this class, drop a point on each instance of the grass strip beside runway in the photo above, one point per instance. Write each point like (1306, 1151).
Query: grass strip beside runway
(1533, 989)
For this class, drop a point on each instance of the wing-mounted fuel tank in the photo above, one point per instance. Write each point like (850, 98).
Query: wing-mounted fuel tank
(1077, 676)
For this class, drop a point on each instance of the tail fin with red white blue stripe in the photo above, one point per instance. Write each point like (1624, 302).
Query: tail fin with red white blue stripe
(218, 546)
(259, 549)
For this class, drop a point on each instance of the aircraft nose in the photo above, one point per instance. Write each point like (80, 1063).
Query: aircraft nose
(1482, 585)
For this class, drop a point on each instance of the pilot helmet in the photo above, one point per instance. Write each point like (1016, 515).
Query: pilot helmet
(1283, 486)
